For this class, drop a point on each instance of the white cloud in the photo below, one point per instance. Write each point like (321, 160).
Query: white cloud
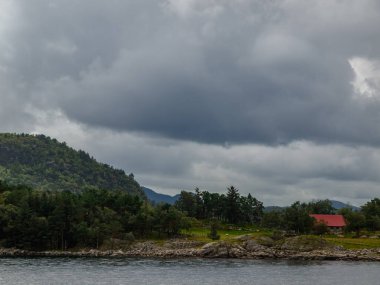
(190, 8)
(62, 46)
(367, 76)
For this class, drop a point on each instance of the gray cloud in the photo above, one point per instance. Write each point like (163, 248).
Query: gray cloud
(274, 174)
(158, 88)
(206, 71)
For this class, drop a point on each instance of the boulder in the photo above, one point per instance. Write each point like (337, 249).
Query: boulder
(265, 241)
(243, 237)
(222, 250)
(304, 244)
(253, 246)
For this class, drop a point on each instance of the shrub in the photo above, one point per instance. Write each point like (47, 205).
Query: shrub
(214, 225)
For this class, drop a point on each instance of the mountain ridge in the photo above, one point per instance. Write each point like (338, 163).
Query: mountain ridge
(335, 204)
(46, 164)
(157, 197)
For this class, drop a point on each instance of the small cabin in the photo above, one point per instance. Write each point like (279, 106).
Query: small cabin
(335, 223)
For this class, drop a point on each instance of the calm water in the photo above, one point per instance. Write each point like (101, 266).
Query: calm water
(184, 271)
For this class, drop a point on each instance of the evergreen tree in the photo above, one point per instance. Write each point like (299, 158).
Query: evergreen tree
(232, 210)
(297, 219)
(371, 211)
(214, 225)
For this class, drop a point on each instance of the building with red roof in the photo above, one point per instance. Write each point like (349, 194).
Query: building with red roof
(334, 222)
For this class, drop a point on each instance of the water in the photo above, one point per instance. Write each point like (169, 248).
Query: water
(184, 271)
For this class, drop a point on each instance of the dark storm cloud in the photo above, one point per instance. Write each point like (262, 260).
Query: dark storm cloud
(209, 71)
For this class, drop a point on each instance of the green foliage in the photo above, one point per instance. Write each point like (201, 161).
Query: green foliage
(231, 208)
(45, 164)
(167, 219)
(320, 228)
(356, 221)
(371, 211)
(37, 220)
(251, 209)
(214, 226)
(187, 203)
(297, 219)
(321, 207)
(273, 220)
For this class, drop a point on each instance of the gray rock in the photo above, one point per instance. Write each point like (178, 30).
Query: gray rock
(252, 246)
(304, 243)
(265, 241)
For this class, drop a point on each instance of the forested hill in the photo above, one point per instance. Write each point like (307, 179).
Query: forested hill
(44, 163)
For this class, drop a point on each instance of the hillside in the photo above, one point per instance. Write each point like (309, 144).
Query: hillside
(158, 197)
(46, 164)
(337, 205)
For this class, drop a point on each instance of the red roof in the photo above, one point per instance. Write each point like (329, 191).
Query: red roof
(330, 220)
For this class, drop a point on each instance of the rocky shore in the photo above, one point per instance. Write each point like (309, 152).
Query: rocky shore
(295, 248)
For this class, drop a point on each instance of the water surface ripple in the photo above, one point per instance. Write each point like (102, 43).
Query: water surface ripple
(184, 271)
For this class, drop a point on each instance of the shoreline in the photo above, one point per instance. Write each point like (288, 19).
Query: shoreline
(248, 249)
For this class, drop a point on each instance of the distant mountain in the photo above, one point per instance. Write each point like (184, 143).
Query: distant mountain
(44, 163)
(269, 209)
(158, 197)
(339, 205)
(336, 204)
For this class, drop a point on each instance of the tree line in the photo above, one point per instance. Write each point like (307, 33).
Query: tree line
(230, 208)
(297, 218)
(40, 220)
(33, 219)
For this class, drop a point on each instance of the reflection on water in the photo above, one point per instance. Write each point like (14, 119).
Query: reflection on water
(184, 271)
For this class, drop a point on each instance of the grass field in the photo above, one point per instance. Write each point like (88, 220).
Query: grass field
(200, 234)
(355, 243)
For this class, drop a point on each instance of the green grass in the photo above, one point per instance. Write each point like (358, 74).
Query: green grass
(200, 234)
(355, 243)
(230, 235)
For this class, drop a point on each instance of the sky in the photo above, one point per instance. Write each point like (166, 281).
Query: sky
(280, 98)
